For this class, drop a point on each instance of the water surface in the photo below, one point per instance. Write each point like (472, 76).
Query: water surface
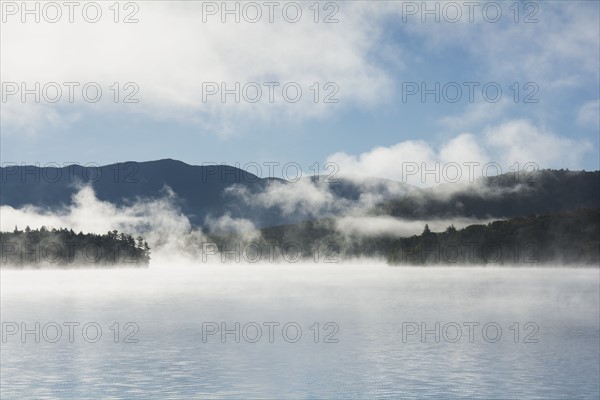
(359, 354)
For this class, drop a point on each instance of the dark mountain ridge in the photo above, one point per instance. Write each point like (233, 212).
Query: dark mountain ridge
(504, 196)
(201, 191)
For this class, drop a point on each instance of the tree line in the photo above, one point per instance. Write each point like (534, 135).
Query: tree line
(63, 247)
(571, 237)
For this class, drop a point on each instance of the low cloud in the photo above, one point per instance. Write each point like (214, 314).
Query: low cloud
(386, 226)
(522, 142)
(308, 199)
(300, 198)
(159, 221)
(228, 225)
(465, 157)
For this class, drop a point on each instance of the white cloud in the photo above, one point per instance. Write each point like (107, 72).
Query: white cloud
(462, 149)
(520, 141)
(365, 226)
(415, 162)
(227, 225)
(385, 162)
(30, 118)
(170, 53)
(562, 46)
(299, 198)
(159, 221)
(307, 199)
(422, 164)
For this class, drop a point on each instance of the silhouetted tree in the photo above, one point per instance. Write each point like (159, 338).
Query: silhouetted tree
(426, 230)
(451, 229)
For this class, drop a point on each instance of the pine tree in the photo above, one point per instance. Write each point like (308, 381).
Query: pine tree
(426, 230)
(451, 229)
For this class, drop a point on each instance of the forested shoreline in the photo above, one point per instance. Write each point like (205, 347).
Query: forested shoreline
(566, 237)
(64, 248)
(560, 238)
(569, 238)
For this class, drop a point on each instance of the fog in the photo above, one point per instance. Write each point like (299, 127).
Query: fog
(172, 236)
(361, 311)
(498, 290)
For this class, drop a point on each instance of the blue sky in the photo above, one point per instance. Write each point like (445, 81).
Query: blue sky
(372, 54)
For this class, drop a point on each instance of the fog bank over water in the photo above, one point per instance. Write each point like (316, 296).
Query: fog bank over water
(244, 280)
(547, 218)
(367, 344)
(172, 236)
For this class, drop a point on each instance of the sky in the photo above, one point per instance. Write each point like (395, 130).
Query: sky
(354, 87)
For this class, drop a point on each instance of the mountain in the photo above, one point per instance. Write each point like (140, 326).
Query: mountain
(557, 210)
(200, 191)
(504, 196)
(203, 191)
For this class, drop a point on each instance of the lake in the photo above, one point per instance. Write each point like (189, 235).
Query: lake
(358, 330)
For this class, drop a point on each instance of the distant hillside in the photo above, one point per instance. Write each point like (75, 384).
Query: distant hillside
(558, 238)
(324, 236)
(547, 192)
(571, 237)
(501, 197)
(200, 190)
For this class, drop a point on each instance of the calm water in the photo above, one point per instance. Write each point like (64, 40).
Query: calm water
(359, 354)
